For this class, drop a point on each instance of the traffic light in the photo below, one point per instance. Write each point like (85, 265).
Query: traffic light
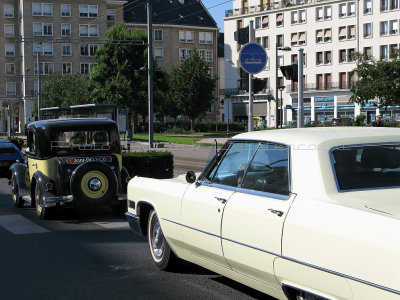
(259, 85)
(290, 72)
(242, 35)
(243, 82)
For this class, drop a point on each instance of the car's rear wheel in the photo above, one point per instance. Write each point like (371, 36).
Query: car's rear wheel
(161, 253)
(18, 202)
(42, 212)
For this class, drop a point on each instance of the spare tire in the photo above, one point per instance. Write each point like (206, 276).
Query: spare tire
(93, 183)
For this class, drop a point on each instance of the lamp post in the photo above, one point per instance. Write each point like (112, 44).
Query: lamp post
(281, 88)
(276, 80)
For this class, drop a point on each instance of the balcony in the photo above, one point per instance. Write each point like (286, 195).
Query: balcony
(327, 86)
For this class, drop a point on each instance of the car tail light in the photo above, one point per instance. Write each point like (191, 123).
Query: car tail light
(69, 160)
(109, 159)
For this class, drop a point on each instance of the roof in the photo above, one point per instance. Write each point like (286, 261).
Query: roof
(73, 122)
(173, 12)
(304, 137)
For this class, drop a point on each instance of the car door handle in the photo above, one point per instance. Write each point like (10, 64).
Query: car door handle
(222, 200)
(277, 212)
(34, 165)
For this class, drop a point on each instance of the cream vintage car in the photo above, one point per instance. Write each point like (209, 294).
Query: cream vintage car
(299, 214)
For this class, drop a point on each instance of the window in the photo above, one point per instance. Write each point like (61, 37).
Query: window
(111, 15)
(342, 55)
(294, 17)
(88, 49)
(367, 6)
(206, 37)
(367, 52)
(158, 35)
(9, 69)
(86, 68)
(42, 29)
(231, 170)
(66, 68)
(394, 27)
(294, 39)
(368, 30)
(351, 32)
(45, 68)
(211, 72)
(186, 36)
(342, 33)
(265, 42)
(265, 22)
(88, 11)
(328, 12)
(302, 38)
(319, 13)
(65, 29)
(393, 48)
(343, 10)
(302, 16)
(350, 54)
(202, 54)
(66, 50)
(319, 36)
(279, 19)
(351, 9)
(327, 35)
(42, 9)
(258, 22)
(65, 10)
(328, 57)
(44, 49)
(268, 171)
(384, 5)
(9, 30)
(158, 53)
(384, 28)
(209, 55)
(384, 52)
(280, 61)
(11, 88)
(185, 53)
(88, 30)
(8, 10)
(279, 40)
(9, 49)
(394, 4)
(319, 58)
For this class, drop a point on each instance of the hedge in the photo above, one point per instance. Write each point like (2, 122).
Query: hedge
(154, 164)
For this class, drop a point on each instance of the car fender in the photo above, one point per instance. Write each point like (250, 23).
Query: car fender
(41, 179)
(18, 170)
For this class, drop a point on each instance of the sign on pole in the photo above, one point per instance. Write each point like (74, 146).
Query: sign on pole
(122, 115)
(253, 58)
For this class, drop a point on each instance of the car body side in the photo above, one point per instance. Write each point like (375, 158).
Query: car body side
(332, 244)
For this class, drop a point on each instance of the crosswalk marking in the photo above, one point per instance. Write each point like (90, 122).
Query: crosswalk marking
(17, 224)
(112, 224)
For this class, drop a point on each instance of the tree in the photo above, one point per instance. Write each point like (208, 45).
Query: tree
(116, 77)
(191, 87)
(65, 90)
(377, 79)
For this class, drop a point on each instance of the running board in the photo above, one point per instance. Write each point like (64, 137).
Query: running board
(26, 198)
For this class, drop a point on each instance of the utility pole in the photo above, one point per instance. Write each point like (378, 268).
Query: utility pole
(38, 52)
(300, 111)
(150, 71)
(251, 115)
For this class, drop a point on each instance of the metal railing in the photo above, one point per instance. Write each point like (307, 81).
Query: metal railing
(327, 86)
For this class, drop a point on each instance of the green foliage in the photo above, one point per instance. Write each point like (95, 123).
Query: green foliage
(377, 79)
(152, 164)
(65, 90)
(359, 121)
(191, 87)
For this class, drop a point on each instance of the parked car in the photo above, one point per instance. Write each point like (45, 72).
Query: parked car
(9, 154)
(308, 213)
(70, 163)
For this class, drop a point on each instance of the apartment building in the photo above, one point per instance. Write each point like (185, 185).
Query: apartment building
(329, 32)
(179, 27)
(67, 33)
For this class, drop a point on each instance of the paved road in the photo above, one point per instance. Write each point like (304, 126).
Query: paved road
(91, 255)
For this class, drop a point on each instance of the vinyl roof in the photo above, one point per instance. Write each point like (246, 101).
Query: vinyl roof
(174, 12)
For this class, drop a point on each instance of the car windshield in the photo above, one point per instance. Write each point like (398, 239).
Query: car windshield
(367, 167)
(81, 140)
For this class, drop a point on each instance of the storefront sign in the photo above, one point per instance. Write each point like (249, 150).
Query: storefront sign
(324, 99)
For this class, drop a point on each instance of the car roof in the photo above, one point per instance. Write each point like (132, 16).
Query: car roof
(324, 135)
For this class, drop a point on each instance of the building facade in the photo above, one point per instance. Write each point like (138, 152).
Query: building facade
(65, 34)
(329, 32)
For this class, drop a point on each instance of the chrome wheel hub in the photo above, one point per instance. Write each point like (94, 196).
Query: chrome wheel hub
(157, 240)
(95, 184)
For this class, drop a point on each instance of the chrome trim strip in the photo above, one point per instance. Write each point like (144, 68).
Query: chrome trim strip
(219, 186)
(293, 260)
(263, 194)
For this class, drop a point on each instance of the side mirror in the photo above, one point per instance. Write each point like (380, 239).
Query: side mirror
(190, 177)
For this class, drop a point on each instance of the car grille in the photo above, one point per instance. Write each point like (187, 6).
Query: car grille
(7, 150)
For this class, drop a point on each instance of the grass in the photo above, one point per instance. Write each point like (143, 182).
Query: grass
(185, 140)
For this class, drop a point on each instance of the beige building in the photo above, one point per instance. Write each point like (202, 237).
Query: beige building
(329, 32)
(67, 33)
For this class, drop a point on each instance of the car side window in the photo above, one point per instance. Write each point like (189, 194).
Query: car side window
(269, 170)
(31, 142)
(233, 165)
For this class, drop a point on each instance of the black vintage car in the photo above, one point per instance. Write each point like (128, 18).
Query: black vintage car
(70, 163)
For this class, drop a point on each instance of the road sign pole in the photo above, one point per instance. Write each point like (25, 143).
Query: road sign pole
(300, 110)
(251, 114)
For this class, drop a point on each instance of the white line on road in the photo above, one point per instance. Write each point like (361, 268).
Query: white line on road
(17, 224)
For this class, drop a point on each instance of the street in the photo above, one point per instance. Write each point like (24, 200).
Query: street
(92, 255)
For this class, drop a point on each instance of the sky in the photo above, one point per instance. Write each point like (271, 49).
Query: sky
(218, 12)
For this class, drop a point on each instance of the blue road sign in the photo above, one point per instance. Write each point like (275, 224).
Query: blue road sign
(253, 58)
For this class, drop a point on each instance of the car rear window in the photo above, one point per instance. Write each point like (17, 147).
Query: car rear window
(366, 167)
(81, 140)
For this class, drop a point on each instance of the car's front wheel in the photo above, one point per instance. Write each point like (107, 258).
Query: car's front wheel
(18, 202)
(42, 212)
(162, 255)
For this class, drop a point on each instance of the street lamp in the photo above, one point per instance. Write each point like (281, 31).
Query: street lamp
(276, 80)
(281, 88)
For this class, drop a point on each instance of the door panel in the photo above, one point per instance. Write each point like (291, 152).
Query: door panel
(202, 208)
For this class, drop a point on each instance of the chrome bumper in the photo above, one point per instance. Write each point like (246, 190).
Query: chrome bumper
(58, 199)
(134, 223)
